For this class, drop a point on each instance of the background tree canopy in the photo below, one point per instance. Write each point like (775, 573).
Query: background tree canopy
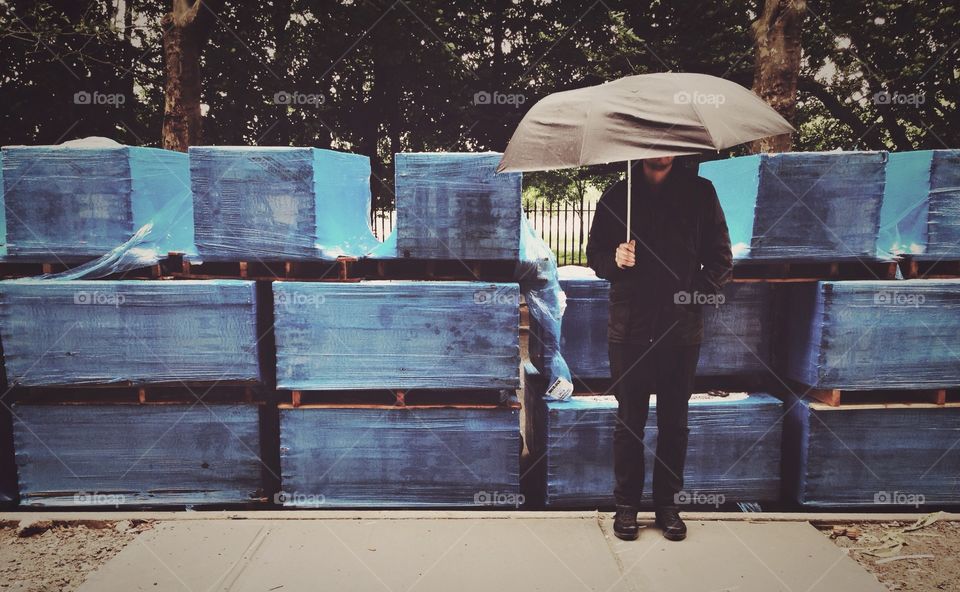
(378, 77)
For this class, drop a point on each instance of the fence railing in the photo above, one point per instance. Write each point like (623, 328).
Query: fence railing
(564, 227)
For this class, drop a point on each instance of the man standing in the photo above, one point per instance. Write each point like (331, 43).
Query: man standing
(677, 257)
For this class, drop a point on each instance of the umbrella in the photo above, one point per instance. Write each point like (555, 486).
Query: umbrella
(637, 117)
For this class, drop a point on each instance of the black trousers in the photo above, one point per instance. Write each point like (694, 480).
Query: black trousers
(638, 371)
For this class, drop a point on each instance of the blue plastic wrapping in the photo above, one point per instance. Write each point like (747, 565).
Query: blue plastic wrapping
(396, 457)
(123, 455)
(872, 455)
(76, 202)
(868, 335)
(397, 334)
(141, 332)
(280, 203)
(801, 206)
(921, 204)
(738, 333)
(455, 206)
(733, 451)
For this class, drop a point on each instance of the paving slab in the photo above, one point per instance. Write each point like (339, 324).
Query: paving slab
(576, 553)
(743, 556)
(462, 555)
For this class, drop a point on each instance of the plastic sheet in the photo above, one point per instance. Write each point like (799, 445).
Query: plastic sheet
(397, 457)
(144, 332)
(733, 452)
(455, 206)
(921, 204)
(738, 333)
(123, 455)
(397, 335)
(81, 200)
(278, 203)
(801, 206)
(872, 456)
(865, 335)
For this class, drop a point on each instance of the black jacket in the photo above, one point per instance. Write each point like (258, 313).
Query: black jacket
(683, 258)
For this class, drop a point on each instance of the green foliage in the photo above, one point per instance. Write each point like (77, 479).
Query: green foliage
(404, 76)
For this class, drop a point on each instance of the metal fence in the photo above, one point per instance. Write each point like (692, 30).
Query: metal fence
(564, 227)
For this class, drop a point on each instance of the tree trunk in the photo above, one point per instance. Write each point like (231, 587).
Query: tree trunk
(777, 64)
(186, 29)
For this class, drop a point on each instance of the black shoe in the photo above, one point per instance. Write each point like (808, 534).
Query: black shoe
(673, 527)
(625, 523)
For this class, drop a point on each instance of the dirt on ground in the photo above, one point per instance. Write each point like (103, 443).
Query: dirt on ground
(45, 556)
(888, 550)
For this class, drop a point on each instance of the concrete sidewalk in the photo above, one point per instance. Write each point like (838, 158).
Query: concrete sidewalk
(465, 552)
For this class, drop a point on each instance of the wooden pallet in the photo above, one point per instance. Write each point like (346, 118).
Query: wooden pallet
(915, 269)
(143, 394)
(14, 269)
(812, 272)
(438, 269)
(387, 398)
(341, 270)
(838, 397)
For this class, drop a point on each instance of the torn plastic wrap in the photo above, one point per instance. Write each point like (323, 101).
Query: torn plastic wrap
(455, 206)
(872, 455)
(801, 206)
(399, 457)
(397, 334)
(280, 203)
(733, 452)
(139, 332)
(546, 303)
(921, 205)
(94, 198)
(866, 335)
(124, 455)
(737, 340)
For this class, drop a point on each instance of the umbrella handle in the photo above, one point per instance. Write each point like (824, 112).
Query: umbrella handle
(629, 198)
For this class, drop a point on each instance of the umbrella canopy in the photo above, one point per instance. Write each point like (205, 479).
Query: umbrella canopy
(637, 117)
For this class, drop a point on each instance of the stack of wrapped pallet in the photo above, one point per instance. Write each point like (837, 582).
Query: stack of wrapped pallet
(402, 391)
(126, 392)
